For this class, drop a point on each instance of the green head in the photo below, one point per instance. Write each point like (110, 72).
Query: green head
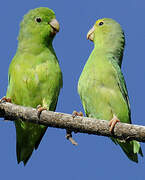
(108, 35)
(39, 24)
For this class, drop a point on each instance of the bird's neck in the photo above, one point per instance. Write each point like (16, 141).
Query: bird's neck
(112, 45)
(115, 53)
(34, 46)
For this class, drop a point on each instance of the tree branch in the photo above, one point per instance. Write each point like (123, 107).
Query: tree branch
(79, 124)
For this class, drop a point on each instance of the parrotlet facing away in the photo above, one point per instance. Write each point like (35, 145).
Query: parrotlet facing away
(34, 76)
(101, 86)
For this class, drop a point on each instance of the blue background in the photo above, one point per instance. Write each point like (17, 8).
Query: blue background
(95, 157)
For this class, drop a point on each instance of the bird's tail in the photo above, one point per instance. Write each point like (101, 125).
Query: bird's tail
(130, 148)
(28, 139)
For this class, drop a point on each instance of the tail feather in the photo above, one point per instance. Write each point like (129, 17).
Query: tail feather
(40, 138)
(23, 152)
(130, 148)
(28, 138)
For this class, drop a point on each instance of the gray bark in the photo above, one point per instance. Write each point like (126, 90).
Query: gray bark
(79, 124)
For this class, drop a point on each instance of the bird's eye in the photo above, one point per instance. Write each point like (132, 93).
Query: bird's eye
(101, 23)
(38, 19)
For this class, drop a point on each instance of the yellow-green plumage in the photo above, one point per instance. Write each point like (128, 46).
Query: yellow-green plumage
(34, 75)
(101, 85)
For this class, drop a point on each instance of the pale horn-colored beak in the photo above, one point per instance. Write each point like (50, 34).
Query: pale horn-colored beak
(90, 34)
(55, 25)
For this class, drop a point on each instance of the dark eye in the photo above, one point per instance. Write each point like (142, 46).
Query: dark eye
(101, 23)
(38, 19)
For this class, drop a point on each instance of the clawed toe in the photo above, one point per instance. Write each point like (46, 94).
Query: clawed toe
(69, 133)
(69, 137)
(75, 113)
(39, 110)
(5, 99)
(113, 122)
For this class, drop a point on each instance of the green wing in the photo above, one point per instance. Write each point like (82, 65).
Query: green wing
(121, 84)
(131, 148)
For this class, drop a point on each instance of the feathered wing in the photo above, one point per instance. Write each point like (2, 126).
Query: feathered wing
(130, 148)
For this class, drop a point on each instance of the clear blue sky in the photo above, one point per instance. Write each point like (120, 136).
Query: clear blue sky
(95, 157)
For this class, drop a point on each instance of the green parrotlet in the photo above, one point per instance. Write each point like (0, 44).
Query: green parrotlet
(34, 75)
(101, 86)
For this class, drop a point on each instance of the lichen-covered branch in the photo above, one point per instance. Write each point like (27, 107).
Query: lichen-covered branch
(77, 124)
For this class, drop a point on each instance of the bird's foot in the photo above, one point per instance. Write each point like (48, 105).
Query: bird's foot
(5, 99)
(39, 110)
(113, 122)
(75, 113)
(69, 137)
(69, 133)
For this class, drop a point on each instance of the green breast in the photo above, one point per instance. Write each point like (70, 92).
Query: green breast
(99, 90)
(33, 79)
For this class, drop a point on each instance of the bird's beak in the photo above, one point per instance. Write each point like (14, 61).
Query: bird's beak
(90, 34)
(55, 25)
